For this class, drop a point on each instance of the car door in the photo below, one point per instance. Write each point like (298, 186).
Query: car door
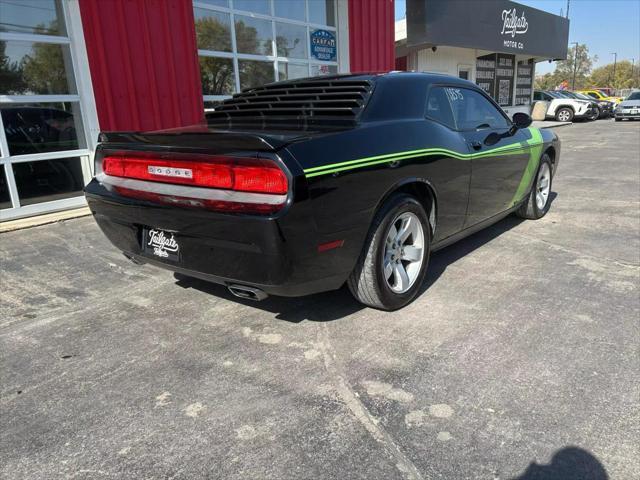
(499, 153)
(450, 169)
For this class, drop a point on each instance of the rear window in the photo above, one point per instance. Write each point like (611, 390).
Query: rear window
(299, 104)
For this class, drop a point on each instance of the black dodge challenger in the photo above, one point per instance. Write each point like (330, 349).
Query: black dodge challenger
(301, 186)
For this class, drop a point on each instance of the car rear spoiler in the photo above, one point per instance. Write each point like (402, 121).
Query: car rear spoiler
(202, 138)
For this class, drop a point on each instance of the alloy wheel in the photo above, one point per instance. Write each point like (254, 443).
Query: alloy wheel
(544, 186)
(403, 252)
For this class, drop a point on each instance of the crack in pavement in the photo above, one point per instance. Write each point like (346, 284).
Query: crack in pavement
(360, 411)
(576, 252)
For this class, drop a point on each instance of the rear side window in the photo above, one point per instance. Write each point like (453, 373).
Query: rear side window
(439, 108)
(472, 111)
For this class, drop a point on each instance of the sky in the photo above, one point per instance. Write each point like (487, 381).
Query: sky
(605, 26)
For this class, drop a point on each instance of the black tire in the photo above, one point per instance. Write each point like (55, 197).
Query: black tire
(618, 119)
(529, 209)
(367, 283)
(564, 109)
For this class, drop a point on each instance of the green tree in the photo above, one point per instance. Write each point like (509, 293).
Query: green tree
(11, 81)
(548, 81)
(44, 69)
(577, 57)
(625, 77)
(216, 73)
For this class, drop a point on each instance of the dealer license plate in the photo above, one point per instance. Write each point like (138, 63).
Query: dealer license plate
(160, 243)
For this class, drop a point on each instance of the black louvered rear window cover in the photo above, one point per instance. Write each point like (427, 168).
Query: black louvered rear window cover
(297, 104)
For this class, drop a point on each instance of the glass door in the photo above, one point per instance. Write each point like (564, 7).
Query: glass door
(44, 153)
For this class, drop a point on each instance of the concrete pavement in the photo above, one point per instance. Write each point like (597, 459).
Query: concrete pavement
(519, 361)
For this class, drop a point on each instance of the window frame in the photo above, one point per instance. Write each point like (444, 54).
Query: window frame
(74, 39)
(274, 58)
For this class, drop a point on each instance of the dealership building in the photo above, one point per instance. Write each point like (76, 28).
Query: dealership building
(495, 44)
(72, 68)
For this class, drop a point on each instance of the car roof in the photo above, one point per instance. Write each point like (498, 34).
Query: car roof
(397, 94)
(428, 77)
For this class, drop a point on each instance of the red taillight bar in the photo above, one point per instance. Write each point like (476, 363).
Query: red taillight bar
(228, 173)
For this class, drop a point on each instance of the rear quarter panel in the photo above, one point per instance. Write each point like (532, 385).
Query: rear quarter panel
(346, 200)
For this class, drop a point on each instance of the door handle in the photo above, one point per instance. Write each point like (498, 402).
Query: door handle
(476, 145)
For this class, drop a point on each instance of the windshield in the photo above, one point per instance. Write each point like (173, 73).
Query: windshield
(554, 94)
(634, 96)
(596, 94)
(582, 96)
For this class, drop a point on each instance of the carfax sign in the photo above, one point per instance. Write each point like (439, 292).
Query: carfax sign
(323, 45)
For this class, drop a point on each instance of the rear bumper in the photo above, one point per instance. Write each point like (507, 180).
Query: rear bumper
(276, 255)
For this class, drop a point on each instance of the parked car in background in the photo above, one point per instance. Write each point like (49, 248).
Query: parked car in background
(565, 109)
(599, 95)
(605, 108)
(301, 186)
(629, 108)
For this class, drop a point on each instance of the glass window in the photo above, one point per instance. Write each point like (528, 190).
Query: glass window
(472, 111)
(256, 6)
(289, 71)
(217, 3)
(322, 12)
(5, 199)
(294, 9)
(291, 40)
(48, 180)
(253, 35)
(317, 70)
(439, 108)
(213, 30)
(32, 16)
(254, 73)
(30, 68)
(216, 75)
(42, 127)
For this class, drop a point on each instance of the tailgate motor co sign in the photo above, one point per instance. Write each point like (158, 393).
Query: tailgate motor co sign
(323, 45)
(513, 25)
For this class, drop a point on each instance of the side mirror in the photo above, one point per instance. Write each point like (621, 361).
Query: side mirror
(492, 139)
(521, 120)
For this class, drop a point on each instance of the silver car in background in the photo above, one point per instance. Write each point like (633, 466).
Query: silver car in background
(629, 107)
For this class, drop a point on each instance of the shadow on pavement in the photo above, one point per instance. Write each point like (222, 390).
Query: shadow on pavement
(329, 306)
(570, 463)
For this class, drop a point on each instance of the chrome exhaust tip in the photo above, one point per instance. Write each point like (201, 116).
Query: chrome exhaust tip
(249, 293)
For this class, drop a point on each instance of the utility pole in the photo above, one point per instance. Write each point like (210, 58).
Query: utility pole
(575, 64)
(568, 2)
(615, 60)
(633, 66)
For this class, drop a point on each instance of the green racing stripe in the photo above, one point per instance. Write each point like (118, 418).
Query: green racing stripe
(536, 144)
(513, 149)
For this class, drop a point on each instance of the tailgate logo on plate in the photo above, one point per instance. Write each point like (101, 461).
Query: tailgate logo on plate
(162, 245)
